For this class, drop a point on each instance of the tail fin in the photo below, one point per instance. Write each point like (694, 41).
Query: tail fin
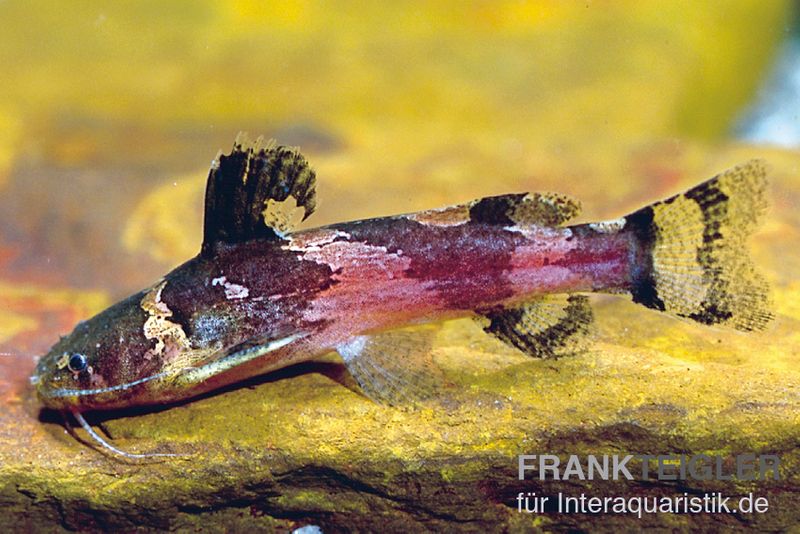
(694, 263)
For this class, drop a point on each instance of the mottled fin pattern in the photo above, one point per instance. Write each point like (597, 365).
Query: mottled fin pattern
(695, 263)
(394, 367)
(258, 191)
(544, 209)
(548, 327)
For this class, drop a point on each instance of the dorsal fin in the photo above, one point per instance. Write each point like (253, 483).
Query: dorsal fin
(258, 191)
(515, 209)
(544, 209)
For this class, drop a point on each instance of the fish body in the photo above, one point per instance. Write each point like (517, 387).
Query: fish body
(260, 296)
(331, 284)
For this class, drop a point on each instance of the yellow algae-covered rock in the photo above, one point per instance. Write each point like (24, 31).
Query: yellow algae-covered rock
(399, 107)
(302, 446)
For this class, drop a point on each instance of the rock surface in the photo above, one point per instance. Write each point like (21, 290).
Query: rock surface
(99, 201)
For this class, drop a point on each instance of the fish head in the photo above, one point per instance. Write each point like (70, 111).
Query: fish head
(105, 362)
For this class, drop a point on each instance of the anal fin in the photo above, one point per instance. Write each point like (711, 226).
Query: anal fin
(548, 327)
(394, 367)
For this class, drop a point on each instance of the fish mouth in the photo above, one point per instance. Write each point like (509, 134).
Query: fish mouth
(40, 384)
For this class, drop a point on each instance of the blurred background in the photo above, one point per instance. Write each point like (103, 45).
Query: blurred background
(110, 113)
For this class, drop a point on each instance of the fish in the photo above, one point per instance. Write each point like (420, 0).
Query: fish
(262, 295)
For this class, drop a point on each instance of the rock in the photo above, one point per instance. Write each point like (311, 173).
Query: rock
(302, 448)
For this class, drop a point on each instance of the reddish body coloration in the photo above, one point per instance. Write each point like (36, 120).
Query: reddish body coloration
(391, 271)
(383, 273)
(347, 279)
(258, 297)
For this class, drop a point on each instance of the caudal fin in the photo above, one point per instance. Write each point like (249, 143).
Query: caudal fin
(693, 254)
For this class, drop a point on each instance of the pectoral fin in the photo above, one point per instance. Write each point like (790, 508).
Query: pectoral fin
(234, 357)
(549, 327)
(394, 367)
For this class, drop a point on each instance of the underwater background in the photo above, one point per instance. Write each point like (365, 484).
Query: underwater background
(111, 112)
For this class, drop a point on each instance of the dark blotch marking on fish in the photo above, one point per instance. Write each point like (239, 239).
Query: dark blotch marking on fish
(437, 256)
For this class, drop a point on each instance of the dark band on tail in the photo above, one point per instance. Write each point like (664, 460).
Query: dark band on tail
(691, 259)
(642, 224)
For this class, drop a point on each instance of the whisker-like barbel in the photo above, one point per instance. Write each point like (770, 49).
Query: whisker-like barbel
(98, 391)
(99, 439)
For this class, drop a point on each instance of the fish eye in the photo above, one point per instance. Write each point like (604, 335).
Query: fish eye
(77, 363)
